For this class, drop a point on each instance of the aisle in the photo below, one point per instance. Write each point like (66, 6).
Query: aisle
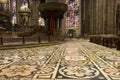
(73, 60)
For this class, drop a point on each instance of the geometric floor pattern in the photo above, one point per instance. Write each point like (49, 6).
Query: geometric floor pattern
(73, 60)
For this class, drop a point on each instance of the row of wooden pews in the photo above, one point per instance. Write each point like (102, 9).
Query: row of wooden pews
(107, 40)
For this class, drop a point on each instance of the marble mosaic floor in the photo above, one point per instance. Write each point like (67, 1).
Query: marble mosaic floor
(73, 60)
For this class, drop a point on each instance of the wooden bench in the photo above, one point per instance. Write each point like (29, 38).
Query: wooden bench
(106, 40)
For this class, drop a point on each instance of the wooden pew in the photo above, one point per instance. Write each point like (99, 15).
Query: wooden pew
(96, 39)
(111, 41)
(1, 31)
(118, 44)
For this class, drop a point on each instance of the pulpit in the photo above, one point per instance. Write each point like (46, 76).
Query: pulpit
(53, 12)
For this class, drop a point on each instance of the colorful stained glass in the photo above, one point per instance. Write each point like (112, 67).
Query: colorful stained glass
(25, 2)
(72, 15)
(25, 5)
(14, 12)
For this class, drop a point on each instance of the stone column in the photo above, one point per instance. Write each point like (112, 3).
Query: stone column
(34, 12)
(105, 21)
(100, 14)
(110, 18)
(97, 17)
(94, 17)
(87, 17)
(57, 24)
(18, 4)
(115, 9)
(103, 17)
(62, 28)
(91, 17)
(82, 17)
(78, 31)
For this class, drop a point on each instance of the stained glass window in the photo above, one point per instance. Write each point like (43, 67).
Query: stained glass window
(72, 15)
(25, 2)
(14, 21)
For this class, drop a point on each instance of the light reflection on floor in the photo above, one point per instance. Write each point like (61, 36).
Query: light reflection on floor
(74, 60)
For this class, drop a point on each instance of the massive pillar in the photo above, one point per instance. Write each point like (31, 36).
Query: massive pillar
(83, 21)
(78, 28)
(110, 16)
(94, 17)
(35, 12)
(17, 10)
(80, 20)
(98, 17)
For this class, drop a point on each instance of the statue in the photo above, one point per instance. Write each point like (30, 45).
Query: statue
(41, 22)
(25, 14)
(24, 7)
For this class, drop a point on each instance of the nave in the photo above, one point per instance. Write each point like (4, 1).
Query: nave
(71, 60)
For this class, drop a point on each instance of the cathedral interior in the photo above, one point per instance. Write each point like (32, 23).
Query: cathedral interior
(59, 39)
